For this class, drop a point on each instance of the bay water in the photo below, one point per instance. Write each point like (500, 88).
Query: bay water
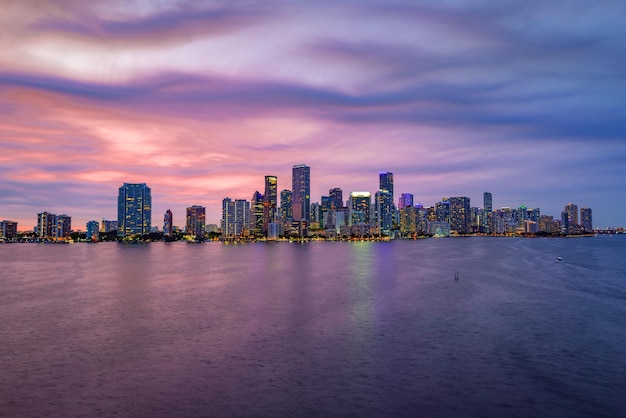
(367, 329)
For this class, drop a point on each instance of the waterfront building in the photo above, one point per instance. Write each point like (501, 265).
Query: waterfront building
(168, 224)
(385, 181)
(406, 200)
(93, 228)
(546, 224)
(134, 209)
(460, 214)
(383, 211)
(8, 229)
(196, 220)
(336, 198)
(255, 219)
(408, 219)
(360, 207)
(565, 222)
(286, 208)
(487, 202)
(439, 229)
(55, 227)
(108, 225)
(315, 213)
(301, 192)
(270, 202)
(442, 210)
(571, 211)
(586, 220)
(236, 217)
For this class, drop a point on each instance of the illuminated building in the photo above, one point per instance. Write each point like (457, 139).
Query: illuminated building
(586, 220)
(286, 209)
(134, 209)
(51, 226)
(92, 231)
(8, 229)
(383, 211)
(168, 224)
(257, 207)
(301, 192)
(385, 180)
(336, 198)
(196, 220)
(360, 207)
(572, 214)
(487, 202)
(442, 210)
(460, 214)
(235, 216)
(406, 200)
(270, 200)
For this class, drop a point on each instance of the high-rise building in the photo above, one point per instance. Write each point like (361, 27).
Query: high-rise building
(8, 229)
(487, 202)
(336, 198)
(360, 207)
(386, 182)
(460, 214)
(565, 223)
(196, 220)
(236, 216)
(257, 207)
(586, 220)
(108, 225)
(442, 210)
(286, 209)
(134, 209)
(51, 226)
(270, 201)
(301, 192)
(406, 200)
(572, 214)
(92, 231)
(168, 224)
(383, 211)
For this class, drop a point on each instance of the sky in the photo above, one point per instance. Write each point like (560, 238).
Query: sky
(202, 99)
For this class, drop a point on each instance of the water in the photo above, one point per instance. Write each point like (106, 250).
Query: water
(315, 329)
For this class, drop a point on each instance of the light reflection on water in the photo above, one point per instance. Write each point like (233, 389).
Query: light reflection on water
(314, 329)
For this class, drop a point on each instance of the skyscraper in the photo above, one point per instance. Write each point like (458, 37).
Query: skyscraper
(487, 202)
(269, 202)
(301, 192)
(134, 209)
(572, 214)
(383, 211)
(286, 209)
(360, 207)
(586, 220)
(406, 200)
(257, 206)
(386, 182)
(336, 198)
(460, 214)
(168, 224)
(196, 220)
(92, 230)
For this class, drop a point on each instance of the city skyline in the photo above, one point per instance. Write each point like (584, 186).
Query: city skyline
(134, 212)
(202, 101)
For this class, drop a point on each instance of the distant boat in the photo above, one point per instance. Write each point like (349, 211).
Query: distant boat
(559, 259)
(456, 276)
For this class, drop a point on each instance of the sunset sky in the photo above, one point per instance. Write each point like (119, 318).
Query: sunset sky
(202, 99)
